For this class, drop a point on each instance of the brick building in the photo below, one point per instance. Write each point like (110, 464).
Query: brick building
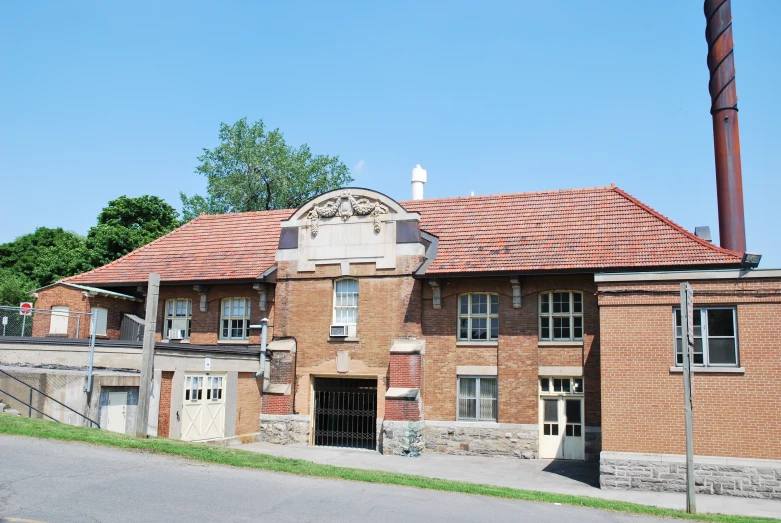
(512, 325)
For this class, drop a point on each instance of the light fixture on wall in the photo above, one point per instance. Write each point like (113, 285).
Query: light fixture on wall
(751, 260)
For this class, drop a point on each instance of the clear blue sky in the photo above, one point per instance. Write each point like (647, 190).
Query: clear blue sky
(101, 99)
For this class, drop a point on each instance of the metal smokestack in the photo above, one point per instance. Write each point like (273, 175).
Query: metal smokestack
(724, 109)
(418, 179)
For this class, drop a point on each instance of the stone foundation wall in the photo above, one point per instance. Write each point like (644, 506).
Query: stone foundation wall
(748, 478)
(291, 429)
(401, 438)
(481, 439)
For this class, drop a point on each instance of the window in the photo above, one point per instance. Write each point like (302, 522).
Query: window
(715, 337)
(102, 321)
(346, 302)
(478, 317)
(235, 319)
(193, 388)
(59, 320)
(559, 386)
(214, 388)
(561, 316)
(477, 399)
(178, 316)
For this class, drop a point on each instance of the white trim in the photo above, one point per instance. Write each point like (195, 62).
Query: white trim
(278, 388)
(701, 460)
(476, 370)
(560, 343)
(408, 347)
(711, 370)
(718, 274)
(477, 343)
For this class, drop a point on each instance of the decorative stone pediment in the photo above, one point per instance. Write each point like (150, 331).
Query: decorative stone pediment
(346, 206)
(348, 226)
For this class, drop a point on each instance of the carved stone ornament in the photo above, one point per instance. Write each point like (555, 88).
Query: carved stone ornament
(346, 206)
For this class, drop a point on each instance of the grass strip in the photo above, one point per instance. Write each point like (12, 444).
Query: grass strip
(19, 426)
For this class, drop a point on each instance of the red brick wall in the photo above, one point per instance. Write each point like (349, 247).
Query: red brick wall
(282, 370)
(517, 354)
(75, 300)
(205, 329)
(248, 392)
(734, 415)
(404, 371)
(402, 409)
(164, 414)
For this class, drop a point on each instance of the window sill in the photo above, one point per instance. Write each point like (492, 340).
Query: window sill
(232, 342)
(175, 341)
(477, 344)
(343, 340)
(710, 370)
(560, 343)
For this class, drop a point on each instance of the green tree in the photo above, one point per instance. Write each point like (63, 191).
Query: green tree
(14, 287)
(253, 170)
(44, 256)
(125, 224)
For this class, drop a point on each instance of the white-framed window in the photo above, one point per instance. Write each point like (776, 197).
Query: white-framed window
(561, 316)
(235, 319)
(346, 302)
(478, 317)
(178, 316)
(559, 386)
(715, 337)
(214, 388)
(477, 398)
(59, 319)
(102, 321)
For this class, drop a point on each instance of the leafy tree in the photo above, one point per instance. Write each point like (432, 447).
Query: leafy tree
(14, 287)
(253, 169)
(44, 256)
(125, 224)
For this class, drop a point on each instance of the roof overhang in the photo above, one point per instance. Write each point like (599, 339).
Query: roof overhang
(89, 291)
(713, 274)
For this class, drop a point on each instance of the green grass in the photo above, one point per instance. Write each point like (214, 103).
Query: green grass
(18, 426)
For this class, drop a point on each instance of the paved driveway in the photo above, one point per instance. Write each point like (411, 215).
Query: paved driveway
(62, 482)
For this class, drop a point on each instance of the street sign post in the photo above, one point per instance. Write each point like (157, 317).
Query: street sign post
(25, 309)
(687, 339)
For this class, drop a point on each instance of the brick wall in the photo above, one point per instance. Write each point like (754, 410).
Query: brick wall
(642, 400)
(248, 393)
(205, 327)
(404, 371)
(517, 353)
(388, 308)
(282, 369)
(74, 299)
(402, 409)
(164, 415)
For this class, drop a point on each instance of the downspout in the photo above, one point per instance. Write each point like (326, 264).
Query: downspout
(263, 339)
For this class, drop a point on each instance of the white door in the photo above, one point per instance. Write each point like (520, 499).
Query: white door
(204, 407)
(116, 411)
(561, 418)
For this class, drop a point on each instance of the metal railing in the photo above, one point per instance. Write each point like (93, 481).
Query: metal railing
(54, 323)
(30, 407)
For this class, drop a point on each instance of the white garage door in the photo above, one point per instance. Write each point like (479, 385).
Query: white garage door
(204, 407)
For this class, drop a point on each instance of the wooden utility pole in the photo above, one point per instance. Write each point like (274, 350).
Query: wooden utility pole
(687, 342)
(148, 355)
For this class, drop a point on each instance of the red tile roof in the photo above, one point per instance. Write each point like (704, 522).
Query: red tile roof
(575, 229)
(597, 228)
(237, 246)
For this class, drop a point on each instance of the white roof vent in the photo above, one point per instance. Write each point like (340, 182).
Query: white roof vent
(419, 176)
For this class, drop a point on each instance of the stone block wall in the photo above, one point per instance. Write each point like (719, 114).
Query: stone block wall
(482, 439)
(402, 438)
(289, 429)
(667, 473)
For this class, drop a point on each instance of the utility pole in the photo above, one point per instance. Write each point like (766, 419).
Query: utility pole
(687, 340)
(148, 355)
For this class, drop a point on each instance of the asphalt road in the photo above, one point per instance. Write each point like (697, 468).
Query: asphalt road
(47, 481)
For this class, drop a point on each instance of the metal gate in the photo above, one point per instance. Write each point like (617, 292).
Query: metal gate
(346, 413)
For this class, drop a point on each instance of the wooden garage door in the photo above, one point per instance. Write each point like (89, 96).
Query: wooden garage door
(204, 407)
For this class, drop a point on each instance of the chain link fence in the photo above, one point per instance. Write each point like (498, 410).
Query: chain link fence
(46, 352)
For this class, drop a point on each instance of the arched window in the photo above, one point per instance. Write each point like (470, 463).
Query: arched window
(561, 316)
(346, 302)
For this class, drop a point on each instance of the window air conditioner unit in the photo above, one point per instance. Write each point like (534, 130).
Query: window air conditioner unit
(343, 331)
(175, 334)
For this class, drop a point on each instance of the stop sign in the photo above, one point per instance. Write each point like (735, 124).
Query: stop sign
(25, 308)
